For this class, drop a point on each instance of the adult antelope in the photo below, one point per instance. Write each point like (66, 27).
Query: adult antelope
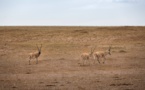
(35, 55)
(102, 54)
(86, 56)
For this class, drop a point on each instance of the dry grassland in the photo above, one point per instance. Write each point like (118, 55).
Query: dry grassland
(59, 66)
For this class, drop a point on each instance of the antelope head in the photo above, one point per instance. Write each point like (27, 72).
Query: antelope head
(39, 49)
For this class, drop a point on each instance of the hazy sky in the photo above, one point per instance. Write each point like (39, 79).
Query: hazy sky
(72, 12)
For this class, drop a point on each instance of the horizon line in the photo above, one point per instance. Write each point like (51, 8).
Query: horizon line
(71, 25)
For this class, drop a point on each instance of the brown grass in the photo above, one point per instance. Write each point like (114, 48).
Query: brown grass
(59, 66)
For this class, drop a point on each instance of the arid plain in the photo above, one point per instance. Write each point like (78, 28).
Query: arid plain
(59, 65)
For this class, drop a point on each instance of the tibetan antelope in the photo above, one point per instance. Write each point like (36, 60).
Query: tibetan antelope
(102, 54)
(35, 55)
(86, 56)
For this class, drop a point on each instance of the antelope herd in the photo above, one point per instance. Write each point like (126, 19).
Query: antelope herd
(87, 56)
(95, 55)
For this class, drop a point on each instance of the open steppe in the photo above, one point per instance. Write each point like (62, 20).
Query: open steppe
(59, 66)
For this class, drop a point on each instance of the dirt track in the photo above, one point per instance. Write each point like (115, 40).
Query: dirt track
(59, 66)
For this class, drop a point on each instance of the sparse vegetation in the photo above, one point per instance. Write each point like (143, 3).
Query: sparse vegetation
(59, 64)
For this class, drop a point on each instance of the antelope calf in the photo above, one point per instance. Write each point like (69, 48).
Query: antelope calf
(35, 55)
(102, 54)
(86, 56)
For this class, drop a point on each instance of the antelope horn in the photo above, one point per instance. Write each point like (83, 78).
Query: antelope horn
(37, 46)
(40, 47)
